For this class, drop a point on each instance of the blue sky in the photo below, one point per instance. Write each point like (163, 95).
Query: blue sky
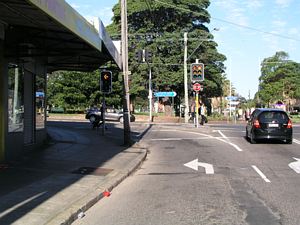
(243, 36)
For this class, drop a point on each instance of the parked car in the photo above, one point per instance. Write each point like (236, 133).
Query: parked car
(269, 124)
(111, 114)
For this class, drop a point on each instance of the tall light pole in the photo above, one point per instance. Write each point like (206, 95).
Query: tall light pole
(124, 50)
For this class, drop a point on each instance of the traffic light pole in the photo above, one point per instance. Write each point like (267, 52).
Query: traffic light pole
(103, 114)
(197, 108)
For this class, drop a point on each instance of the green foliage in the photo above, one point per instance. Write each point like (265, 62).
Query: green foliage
(75, 91)
(280, 79)
(159, 27)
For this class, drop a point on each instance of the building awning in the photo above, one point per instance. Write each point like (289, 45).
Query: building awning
(53, 30)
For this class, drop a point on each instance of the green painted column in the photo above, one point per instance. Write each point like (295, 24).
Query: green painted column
(2, 104)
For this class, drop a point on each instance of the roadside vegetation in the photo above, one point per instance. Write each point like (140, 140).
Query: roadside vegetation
(74, 92)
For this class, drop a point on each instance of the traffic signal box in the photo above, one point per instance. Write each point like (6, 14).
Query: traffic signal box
(197, 72)
(105, 81)
(148, 56)
(139, 55)
(143, 56)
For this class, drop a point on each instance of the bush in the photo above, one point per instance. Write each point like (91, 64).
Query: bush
(75, 111)
(57, 110)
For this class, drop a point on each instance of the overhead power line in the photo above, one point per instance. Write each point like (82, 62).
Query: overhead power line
(229, 22)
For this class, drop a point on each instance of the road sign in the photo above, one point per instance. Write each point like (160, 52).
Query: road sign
(196, 87)
(232, 98)
(234, 103)
(165, 94)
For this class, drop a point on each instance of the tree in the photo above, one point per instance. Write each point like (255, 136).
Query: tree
(280, 79)
(159, 27)
(76, 91)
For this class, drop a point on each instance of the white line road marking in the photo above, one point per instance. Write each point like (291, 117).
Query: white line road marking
(199, 138)
(227, 141)
(295, 165)
(296, 141)
(223, 135)
(261, 174)
(231, 131)
(233, 145)
(180, 139)
(191, 132)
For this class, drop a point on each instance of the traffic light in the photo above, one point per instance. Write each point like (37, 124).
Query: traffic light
(105, 81)
(148, 55)
(139, 56)
(197, 72)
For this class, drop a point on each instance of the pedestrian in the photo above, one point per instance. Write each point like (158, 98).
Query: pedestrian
(192, 114)
(201, 112)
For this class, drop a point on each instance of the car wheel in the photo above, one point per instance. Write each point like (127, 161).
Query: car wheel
(121, 120)
(252, 140)
(247, 134)
(289, 141)
(92, 119)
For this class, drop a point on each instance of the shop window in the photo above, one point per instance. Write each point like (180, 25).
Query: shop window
(15, 98)
(40, 83)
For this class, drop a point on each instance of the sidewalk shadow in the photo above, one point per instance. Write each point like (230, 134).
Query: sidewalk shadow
(41, 175)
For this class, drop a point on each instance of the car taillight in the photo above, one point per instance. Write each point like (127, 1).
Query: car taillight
(289, 125)
(256, 124)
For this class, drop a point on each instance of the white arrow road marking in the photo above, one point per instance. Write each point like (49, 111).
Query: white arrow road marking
(296, 141)
(209, 169)
(261, 174)
(295, 165)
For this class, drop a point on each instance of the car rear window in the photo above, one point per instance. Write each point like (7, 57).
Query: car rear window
(273, 117)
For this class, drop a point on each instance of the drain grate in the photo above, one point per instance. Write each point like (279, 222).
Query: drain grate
(97, 171)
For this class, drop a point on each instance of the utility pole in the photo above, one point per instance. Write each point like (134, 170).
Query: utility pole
(150, 94)
(186, 97)
(126, 100)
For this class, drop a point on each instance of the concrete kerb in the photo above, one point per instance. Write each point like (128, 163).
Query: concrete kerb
(68, 216)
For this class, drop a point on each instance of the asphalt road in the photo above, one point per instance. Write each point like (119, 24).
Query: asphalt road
(246, 184)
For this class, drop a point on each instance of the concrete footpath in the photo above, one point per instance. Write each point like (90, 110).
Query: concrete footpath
(58, 184)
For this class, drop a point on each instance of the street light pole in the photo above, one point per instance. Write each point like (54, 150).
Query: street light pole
(186, 97)
(124, 37)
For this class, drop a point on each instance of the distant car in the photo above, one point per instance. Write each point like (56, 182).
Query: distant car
(111, 114)
(269, 124)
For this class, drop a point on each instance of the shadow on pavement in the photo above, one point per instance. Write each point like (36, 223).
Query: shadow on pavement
(45, 173)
